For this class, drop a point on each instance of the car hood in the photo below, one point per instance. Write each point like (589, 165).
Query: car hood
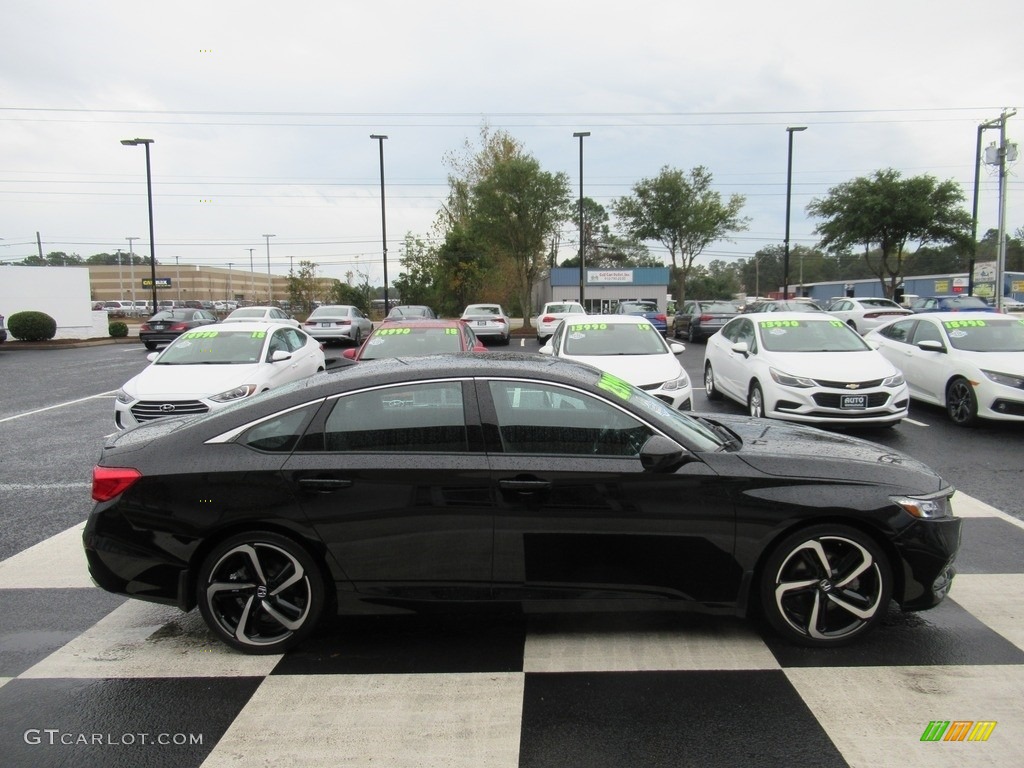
(188, 382)
(795, 450)
(1000, 362)
(833, 366)
(638, 370)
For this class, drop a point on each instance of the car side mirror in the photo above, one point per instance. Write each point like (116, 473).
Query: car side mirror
(350, 353)
(930, 345)
(152, 356)
(659, 454)
(280, 355)
(676, 347)
(741, 348)
(547, 349)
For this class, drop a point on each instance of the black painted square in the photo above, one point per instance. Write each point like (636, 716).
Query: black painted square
(678, 719)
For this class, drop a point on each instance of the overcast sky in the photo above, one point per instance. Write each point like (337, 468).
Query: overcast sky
(261, 113)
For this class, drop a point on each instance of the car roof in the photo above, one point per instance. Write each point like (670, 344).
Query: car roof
(248, 326)
(821, 317)
(420, 324)
(611, 320)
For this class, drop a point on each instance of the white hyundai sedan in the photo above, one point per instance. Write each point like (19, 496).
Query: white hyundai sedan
(972, 365)
(804, 366)
(207, 368)
(627, 346)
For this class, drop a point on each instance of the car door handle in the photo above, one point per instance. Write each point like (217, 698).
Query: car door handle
(323, 485)
(524, 486)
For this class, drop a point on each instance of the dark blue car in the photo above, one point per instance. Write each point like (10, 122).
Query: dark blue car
(950, 304)
(647, 309)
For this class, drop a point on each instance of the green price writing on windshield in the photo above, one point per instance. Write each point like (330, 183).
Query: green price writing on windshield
(615, 385)
(779, 323)
(589, 327)
(200, 334)
(394, 331)
(953, 324)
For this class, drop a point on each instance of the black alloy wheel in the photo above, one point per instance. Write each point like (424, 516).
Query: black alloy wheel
(825, 586)
(961, 402)
(709, 384)
(260, 592)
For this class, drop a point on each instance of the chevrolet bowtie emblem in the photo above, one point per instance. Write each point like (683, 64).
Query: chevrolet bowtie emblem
(853, 386)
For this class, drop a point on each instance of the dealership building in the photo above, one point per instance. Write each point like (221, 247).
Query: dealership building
(604, 288)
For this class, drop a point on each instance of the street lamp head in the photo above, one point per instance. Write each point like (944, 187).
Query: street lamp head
(581, 134)
(377, 136)
(794, 128)
(135, 142)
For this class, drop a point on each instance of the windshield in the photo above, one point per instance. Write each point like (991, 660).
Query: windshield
(482, 309)
(329, 311)
(998, 335)
(638, 306)
(248, 313)
(410, 342)
(809, 336)
(220, 347)
(563, 309)
(879, 303)
(600, 339)
(718, 307)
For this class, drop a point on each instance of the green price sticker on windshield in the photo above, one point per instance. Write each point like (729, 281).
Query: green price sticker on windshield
(779, 323)
(451, 331)
(200, 334)
(954, 324)
(615, 385)
(394, 331)
(258, 334)
(588, 327)
(644, 326)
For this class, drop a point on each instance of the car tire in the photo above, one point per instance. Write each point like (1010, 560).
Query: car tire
(709, 384)
(150, 345)
(961, 402)
(825, 585)
(852, 325)
(504, 340)
(357, 337)
(755, 401)
(279, 596)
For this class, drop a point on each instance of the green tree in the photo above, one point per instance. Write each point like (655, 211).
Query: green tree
(515, 211)
(889, 212)
(602, 248)
(682, 213)
(304, 286)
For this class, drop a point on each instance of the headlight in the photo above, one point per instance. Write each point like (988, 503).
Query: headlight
(792, 381)
(1006, 379)
(235, 394)
(124, 397)
(894, 381)
(682, 382)
(929, 506)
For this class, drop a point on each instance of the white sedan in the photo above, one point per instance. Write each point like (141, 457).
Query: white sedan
(627, 346)
(207, 368)
(972, 365)
(265, 314)
(803, 366)
(864, 314)
(552, 314)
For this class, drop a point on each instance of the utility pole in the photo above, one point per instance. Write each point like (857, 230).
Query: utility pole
(998, 155)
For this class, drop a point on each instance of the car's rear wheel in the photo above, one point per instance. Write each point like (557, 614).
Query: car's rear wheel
(357, 337)
(961, 402)
(755, 401)
(825, 585)
(709, 384)
(260, 592)
(150, 345)
(690, 335)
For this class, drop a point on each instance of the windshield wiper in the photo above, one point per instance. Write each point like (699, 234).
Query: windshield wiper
(731, 439)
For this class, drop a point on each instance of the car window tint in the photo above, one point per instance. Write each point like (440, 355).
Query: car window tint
(598, 339)
(410, 342)
(898, 331)
(426, 417)
(926, 331)
(538, 418)
(279, 434)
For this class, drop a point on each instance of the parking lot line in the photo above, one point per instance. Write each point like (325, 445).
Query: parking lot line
(58, 405)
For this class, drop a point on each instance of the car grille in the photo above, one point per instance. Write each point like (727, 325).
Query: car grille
(148, 410)
(845, 385)
(829, 400)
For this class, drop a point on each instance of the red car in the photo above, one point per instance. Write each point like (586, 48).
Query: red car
(413, 338)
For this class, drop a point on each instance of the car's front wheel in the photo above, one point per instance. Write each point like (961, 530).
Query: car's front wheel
(825, 585)
(961, 403)
(260, 592)
(755, 401)
(709, 384)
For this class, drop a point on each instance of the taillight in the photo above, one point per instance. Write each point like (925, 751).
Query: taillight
(547, 319)
(179, 327)
(110, 482)
(705, 318)
(661, 317)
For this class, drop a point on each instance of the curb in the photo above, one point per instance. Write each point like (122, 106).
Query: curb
(66, 343)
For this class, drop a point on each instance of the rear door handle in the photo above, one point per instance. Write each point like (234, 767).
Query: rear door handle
(323, 485)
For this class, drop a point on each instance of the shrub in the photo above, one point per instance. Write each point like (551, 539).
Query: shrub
(32, 326)
(118, 329)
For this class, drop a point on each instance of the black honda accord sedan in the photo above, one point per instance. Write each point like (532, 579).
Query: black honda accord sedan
(462, 479)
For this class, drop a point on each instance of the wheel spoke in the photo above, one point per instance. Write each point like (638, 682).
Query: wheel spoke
(250, 551)
(219, 587)
(283, 620)
(297, 575)
(240, 635)
(861, 613)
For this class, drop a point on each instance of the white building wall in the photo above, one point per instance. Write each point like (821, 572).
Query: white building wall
(60, 292)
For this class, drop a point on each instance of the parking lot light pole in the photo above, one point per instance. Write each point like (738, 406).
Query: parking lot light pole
(789, 192)
(149, 194)
(269, 283)
(379, 138)
(131, 266)
(580, 135)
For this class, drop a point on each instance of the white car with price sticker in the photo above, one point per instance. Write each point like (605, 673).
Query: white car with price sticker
(206, 369)
(806, 367)
(629, 347)
(973, 366)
